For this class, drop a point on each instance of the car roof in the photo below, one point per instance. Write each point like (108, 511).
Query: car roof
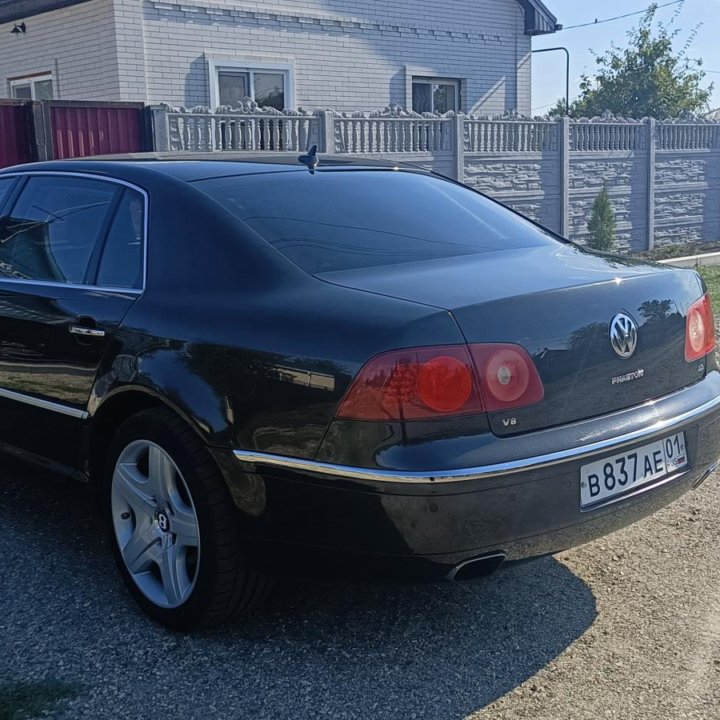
(191, 166)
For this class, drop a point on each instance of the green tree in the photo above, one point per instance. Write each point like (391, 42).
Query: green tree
(601, 225)
(648, 78)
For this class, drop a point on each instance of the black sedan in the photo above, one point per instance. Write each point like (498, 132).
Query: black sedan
(264, 367)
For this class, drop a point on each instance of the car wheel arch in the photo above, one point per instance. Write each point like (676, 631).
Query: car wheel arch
(111, 412)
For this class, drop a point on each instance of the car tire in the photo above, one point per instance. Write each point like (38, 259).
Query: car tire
(174, 531)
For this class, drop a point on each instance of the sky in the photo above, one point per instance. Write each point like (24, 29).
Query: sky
(548, 82)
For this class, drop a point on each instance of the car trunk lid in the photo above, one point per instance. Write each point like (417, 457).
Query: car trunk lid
(558, 303)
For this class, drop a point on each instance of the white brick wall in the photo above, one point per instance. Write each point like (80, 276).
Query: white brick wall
(76, 44)
(345, 54)
(130, 43)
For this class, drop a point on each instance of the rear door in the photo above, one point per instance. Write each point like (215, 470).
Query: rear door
(71, 265)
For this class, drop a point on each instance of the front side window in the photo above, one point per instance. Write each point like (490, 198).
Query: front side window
(5, 187)
(53, 228)
(37, 87)
(268, 88)
(435, 95)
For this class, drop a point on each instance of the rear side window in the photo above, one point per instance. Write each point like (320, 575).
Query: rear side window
(350, 219)
(121, 263)
(53, 228)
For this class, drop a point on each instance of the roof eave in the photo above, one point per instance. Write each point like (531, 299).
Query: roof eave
(538, 19)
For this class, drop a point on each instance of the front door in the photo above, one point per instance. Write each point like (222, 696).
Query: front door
(71, 265)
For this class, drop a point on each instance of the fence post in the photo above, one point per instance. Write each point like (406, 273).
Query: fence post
(160, 127)
(650, 183)
(564, 152)
(40, 130)
(459, 146)
(327, 131)
(146, 129)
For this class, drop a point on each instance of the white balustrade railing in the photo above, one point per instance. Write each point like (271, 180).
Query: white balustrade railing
(607, 136)
(393, 135)
(510, 136)
(210, 132)
(687, 136)
(395, 131)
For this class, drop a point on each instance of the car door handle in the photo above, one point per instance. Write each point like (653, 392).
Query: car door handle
(86, 331)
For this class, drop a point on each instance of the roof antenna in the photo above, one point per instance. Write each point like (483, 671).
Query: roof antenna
(311, 159)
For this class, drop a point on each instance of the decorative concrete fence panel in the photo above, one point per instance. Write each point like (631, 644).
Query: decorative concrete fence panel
(624, 174)
(517, 162)
(686, 183)
(663, 177)
(530, 184)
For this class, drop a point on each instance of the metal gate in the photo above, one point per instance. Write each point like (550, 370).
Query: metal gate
(82, 128)
(15, 135)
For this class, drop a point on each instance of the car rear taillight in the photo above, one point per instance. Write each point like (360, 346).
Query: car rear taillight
(508, 377)
(432, 382)
(413, 384)
(699, 330)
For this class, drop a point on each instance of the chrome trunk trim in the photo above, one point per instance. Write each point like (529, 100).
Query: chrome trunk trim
(475, 473)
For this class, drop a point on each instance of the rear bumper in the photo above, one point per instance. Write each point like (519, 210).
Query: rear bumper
(304, 515)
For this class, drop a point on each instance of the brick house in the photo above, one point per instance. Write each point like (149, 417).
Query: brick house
(470, 55)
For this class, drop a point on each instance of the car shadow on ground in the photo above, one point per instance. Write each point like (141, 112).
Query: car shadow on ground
(313, 650)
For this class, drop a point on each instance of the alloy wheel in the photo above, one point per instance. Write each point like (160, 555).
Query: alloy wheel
(155, 524)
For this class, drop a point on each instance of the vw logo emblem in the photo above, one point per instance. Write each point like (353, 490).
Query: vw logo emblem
(163, 522)
(623, 335)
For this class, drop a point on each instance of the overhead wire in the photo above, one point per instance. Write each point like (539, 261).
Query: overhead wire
(620, 17)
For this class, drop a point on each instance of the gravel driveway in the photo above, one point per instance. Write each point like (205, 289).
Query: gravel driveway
(626, 627)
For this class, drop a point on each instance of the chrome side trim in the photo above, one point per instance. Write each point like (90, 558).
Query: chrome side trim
(475, 473)
(74, 286)
(44, 404)
(91, 176)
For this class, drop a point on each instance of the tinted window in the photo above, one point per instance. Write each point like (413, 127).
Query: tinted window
(5, 185)
(53, 228)
(121, 264)
(347, 219)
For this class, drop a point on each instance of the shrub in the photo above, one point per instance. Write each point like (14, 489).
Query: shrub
(602, 223)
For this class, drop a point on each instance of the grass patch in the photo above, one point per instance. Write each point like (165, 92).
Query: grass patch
(26, 700)
(711, 276)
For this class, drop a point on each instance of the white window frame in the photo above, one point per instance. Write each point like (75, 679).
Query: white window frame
(437, 80)
(31, 80)
(248, 65)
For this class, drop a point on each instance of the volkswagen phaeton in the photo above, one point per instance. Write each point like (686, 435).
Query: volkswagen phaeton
(264, 366)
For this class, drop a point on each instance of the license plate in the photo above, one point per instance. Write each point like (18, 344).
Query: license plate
(615, 475)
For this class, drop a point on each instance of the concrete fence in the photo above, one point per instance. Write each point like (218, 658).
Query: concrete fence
(663, 177)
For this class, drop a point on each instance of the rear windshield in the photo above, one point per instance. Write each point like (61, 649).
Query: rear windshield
(352, 219)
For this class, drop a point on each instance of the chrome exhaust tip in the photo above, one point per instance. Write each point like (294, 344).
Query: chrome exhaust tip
(476, 567)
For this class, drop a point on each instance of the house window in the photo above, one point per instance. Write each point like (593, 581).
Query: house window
(437, 95)
(33, 87)
(268, 86)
